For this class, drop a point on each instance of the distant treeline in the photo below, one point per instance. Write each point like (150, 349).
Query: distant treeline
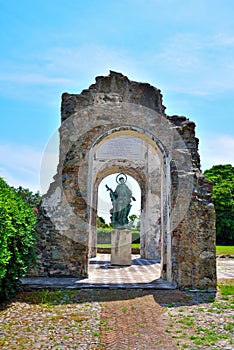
(222, 177)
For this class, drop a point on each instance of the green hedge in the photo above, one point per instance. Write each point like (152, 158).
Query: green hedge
(17, 221)
(104, 236)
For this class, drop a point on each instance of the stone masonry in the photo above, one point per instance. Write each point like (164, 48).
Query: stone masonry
(118, 125)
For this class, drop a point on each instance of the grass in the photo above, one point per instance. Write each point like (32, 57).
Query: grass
(46, 297)
(226, 289)
(224, 250)
(188, 327)
(220, 250)
(134, 245)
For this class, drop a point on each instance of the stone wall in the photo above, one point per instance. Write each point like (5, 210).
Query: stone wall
(178, 219)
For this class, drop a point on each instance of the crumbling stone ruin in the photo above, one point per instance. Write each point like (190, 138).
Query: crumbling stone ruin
(120, 126)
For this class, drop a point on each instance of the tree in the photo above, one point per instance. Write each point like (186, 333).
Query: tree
(17, 239)
(28, 196)
(135, 221)
(101, 222)
(222, 177)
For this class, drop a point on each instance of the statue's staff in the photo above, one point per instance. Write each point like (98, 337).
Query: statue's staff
(112, 195)
(115, 196)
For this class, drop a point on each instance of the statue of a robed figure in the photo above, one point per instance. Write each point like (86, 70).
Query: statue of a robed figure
(121, 199)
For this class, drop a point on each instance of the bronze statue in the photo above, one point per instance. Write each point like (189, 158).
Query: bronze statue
(121, 199)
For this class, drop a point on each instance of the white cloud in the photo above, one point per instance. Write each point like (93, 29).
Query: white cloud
(22, 165)
(58, 69)
(224, 39)
(31, 78)
(194, 64)
(19, 165)
(197, 64)
(84, 63)
(65, 65)
(23, 157)
(215, 149)
(17, 180)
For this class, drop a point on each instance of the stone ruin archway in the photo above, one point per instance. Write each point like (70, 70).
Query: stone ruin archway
(177, 210)
(130, 150)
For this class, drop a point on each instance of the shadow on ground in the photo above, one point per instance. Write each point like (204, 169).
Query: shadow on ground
(164, 298)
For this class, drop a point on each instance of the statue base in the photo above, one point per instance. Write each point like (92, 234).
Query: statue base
(121, 247)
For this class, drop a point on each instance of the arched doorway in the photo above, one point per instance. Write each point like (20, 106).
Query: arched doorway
(145, 160)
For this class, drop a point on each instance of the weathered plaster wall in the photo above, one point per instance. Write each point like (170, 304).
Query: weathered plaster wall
(178, 214)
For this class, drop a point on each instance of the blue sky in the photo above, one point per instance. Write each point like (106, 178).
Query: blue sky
(185, 48)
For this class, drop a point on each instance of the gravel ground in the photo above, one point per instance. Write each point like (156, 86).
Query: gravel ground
(26, 325)
(133, 319)
(117, 319)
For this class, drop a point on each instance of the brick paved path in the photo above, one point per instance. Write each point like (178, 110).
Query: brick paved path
(135, 324)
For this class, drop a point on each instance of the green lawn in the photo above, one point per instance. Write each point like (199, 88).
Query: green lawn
(224, 250)
(220, 250)
(227, 288)
(135, 245)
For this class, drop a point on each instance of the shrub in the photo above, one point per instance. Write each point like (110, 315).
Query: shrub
(104, 236)
(17, 240)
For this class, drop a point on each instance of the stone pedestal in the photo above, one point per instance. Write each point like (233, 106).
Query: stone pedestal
(121, 247)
